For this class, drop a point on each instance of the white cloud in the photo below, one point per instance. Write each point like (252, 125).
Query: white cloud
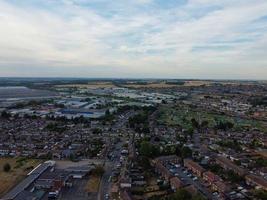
(72, 37)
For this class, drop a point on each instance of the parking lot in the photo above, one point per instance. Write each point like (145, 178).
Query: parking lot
(189, 179)
(77, 191)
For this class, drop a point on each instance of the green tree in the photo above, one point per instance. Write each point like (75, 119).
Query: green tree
(6, 167)
(261, 194)
(186, 152)
(99, 170)
(198, 197)
(195, 123)
(261, 162)
(149, 150)
(5, 114)
(181, 194)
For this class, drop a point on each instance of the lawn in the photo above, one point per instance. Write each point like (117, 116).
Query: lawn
(19, 169)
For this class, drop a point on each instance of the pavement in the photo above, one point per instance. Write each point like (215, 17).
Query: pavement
(77, 191)
(189, 180)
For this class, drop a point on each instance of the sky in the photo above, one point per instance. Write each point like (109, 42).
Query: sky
(203, 39)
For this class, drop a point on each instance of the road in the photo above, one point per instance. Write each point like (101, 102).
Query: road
(105, 185)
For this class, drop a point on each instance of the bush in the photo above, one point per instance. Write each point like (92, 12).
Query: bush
(7, 167)
(98, 171)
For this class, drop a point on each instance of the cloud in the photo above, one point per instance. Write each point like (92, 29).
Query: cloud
(144, 38)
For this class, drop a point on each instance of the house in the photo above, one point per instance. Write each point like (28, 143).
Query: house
(160, 165)
(125, 183)
(125, 195)
(191, 189)
(175, 183)
(168, 159)
(229, 165)
(52, 179)
(256, 181)
(194, 167)
(220, 186)
(161, 169)
(210, 177)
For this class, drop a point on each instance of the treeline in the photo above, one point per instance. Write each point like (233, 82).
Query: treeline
(258, 101)
(175, 82)
(140, 121)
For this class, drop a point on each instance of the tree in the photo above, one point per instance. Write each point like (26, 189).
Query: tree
(98, 171)
(144, 162)
(97, 131)
(195, 124)
(190, 132)
(233, 177)
(5, 114)
(198, 197)
(149, 150)
(186, 152)
(181, 194)
(261, 162)
(224, 125)
(261, 194)
(6, 167)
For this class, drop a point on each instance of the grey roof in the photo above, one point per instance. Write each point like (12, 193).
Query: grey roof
(79, 169)
(27, 181)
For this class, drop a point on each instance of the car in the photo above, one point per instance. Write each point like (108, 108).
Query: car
(106, 196)
(195, 178)
(215, 193)
(118, 165)
(177, 166)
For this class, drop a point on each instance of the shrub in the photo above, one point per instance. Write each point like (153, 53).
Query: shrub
(6, 167)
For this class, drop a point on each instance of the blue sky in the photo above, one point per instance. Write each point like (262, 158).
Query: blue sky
(134, 38)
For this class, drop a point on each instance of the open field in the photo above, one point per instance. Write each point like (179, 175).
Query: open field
(93, 184)
(90, 85)
(152, 85)
(197, 83)
(19, 169)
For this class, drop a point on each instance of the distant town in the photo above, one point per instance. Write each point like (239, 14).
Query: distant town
(132, 139)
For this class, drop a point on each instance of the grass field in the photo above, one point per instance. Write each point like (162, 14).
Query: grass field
(19, 169)
(197, 83)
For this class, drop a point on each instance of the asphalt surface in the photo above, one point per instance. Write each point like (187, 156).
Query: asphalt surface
(189, 180)
(106, 183)
(77, 191)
